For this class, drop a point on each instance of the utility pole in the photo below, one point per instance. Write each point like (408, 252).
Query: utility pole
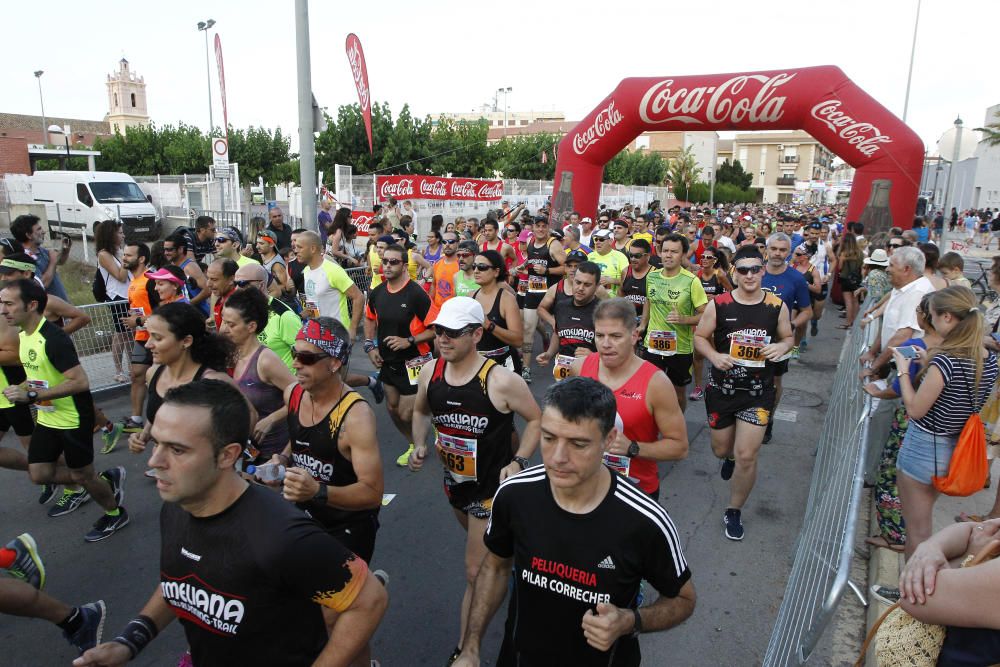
(307, 148)
(913, 50)
(45, 126)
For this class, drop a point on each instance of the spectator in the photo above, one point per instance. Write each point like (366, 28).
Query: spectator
(282, 232)
(849, 265)
(324, 219)
(28, 231)
(951, 267)
(204, 239)
(931, 256)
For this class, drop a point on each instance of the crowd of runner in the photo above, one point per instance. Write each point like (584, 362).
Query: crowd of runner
(265, 452)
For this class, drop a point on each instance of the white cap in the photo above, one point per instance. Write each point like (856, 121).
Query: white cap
(585, 220)
(459, 312)
(879, 258)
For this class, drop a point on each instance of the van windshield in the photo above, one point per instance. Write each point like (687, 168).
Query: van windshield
(117, 193)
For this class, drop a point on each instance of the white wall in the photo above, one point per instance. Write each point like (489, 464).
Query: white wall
(986, 192)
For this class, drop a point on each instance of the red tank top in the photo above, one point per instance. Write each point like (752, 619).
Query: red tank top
(638, 423)
(509, 261)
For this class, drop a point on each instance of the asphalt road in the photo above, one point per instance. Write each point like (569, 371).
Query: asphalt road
(739, 584)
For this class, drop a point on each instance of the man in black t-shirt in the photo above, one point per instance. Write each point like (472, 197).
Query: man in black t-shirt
(253, 580)
(579, 538)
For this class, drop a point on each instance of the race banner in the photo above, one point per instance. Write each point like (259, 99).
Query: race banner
(362, 220)
(222, 84)
(356, 58)
(438, 187)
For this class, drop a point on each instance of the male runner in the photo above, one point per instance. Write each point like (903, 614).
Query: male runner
(620, 234)
(573, 333)
(675, 301)
(221, 275)
(652, 426)
(57, 384)
(471, 402)
(791, 287)
(544, 260)
(396, 317)
(443, 281)
(282, 322)
(739, 333)
(491, 241)
(612, 262)
(328, 287)
(60, 312)
(228, 244)
(178, 253)
(634, 279)
(579, 539)
(204, 238)
(267, 247)
(464, 282)
(253, 580)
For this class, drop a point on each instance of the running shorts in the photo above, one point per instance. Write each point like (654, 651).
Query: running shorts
(18, 418)
(725, 409)
(677, 366)
(76, 444)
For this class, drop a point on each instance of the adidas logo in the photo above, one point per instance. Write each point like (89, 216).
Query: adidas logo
(607, 563)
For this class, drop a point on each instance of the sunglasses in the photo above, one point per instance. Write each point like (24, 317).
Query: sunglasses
(452, 333)
(463, 255)
(222, 239)
(309, 358)
(895, 245)
(708, 258)
(511, 230)
(243, 283)
(483, 267)
(639, 255)
(391, 262)
(751, 270)
(449, 241)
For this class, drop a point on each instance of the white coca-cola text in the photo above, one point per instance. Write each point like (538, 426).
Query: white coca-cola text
(433, 188)
(604, 121)
(354, 58)
(397, 189)
(491, 190)
(865, 137)
(363, 223)
(725, 103)
(463, 190)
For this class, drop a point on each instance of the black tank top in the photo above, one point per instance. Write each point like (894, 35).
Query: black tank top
(314, 449)
(753, 321)
(711, 285)
(634, 289)
(489, 345)
(473, 436)
(154, 400)
(574, 324)
(541, 256)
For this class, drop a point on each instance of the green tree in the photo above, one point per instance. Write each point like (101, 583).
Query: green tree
(735, 174)
(991, 133)
(259, 152)
(521, 156)
(684, 172)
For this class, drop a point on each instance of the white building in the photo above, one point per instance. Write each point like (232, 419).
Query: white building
(126, 99)
(986, 187)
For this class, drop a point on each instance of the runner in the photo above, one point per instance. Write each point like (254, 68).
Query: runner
(503, 330)
(675, 301)
(221, 275)
(328, 287)
(740, 333)
(177, 250)
(543, 263)
(395, 316)
(464, 280)
(820, 261)
(622, 237)
(802, 258)
(491, 241)
(229, 243)
(612, 262)
(57, 384)
(714, 277)
(573, 333)
(240, 567)
(443, 282)
(634, 279)
(267, 247)
(647, 404)
(579, 540)
(278, 334)
(471, 402)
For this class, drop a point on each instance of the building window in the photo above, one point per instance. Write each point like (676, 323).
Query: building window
(524, 122)
(116, 100)
(133, 100)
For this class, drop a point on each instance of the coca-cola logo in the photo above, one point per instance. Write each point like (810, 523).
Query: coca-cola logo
(363, 223)
(401, 188)
(604, 121)
(463, 190)
(354, 58)
(732, 101)
(865, 137)
(433, 188)
(491, 190)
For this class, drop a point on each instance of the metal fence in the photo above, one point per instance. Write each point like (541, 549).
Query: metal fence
(825, 545)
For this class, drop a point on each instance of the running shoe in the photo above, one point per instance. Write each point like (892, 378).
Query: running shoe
(382, 576)
(698, 393)
(27, 565)
(728, 466)
(814, 328)
(70, 501)
(378, 391)
(47, 493)
(526, 374)
(453, 657)
(734, 524)
(804, 344)
(130, 425)
(115, 477)
(404, 458)
(107, 526)
(92, 629)
(795, 352)
(110, 438)
(767, 433)
(887, 595)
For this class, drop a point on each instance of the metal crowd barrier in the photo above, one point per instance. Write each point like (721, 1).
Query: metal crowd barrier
(825, 545)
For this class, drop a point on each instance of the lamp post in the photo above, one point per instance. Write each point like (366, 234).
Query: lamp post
(505, 91)
(55, 129)
(204, 26)
(711, 188)
(38, 75)
(948, 193)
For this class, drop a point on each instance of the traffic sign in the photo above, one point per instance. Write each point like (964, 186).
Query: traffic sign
(220, 152)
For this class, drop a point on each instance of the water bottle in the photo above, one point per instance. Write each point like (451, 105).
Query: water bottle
(269, 472)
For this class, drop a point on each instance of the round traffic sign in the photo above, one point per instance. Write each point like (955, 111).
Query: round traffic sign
(220, 146)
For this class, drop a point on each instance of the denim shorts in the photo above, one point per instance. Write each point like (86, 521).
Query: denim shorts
(916, 455)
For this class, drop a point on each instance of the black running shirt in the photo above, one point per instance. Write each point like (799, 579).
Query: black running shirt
(247, 583)
(741, 331)
(401, 313)
(574, 325)
(564, 564)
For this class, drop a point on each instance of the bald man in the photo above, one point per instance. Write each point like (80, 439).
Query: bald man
(282, 322)
(327, 286)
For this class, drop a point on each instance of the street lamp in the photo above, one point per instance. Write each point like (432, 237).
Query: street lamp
(55, 129)
(38, 75)
(505, 91)
(204, 26)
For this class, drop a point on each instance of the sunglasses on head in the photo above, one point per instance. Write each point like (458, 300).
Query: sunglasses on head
(453, 333)
(752, 270)
(391, 262)
(483, 267)
(309, 358)
(243, 283)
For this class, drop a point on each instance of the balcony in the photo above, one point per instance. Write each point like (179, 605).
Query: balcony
(786, 180)
(788, 159)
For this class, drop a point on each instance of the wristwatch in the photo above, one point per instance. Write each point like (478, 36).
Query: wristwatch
(320, 497)
(411, 340)
(522, 461)
(32, 396)
(637, 626)
(633, 449)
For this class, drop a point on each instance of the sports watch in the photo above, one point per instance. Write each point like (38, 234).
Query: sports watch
(320, 497)
(32, 396)
(522, 461)
(633, 449)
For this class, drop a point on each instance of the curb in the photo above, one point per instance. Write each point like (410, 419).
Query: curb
(884, 566)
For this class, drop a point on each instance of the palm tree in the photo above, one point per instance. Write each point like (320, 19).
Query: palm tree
(991, 133)
(684, 171)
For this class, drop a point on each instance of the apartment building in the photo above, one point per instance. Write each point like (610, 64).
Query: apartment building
(780, 160)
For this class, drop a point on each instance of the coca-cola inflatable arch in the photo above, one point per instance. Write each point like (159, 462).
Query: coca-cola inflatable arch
(822, 101)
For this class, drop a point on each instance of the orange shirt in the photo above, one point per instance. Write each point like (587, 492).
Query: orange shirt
(138, 297)
(444, 279)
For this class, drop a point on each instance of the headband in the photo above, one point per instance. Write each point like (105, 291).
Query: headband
(322, 337)
(14, 264)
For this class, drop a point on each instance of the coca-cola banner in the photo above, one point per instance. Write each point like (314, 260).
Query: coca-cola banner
(438, 187)
(362, 220)
(356, 58)
(820, 100)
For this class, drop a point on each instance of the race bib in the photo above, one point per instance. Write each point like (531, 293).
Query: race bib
(618, 463)
(310, 309)
(561, 369)
(458, 456)
(43, 406)
(139, 312)
(748, 350)
(493, 354)
(413, 367)
(537, 284)
(522, 286)
(663, 343)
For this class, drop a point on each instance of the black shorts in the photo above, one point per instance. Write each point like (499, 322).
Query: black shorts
(140, 355)
(18, 418)
(470, 498)
(725, 409)
(533, 299)
(76, 444)
(119, 309)
(677, 366)
(396, 377)
(357, 536)
(780, 367)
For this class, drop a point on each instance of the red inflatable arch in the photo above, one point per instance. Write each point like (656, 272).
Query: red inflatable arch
(820, 100)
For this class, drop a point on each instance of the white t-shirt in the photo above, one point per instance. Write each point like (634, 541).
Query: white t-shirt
(326, 291)
(901, 309)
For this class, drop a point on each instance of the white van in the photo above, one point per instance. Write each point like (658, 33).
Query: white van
(77, 199)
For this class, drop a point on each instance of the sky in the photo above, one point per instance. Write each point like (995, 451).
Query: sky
(445, 56)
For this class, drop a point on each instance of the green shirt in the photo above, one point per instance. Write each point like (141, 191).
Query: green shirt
(243, 260)
(613, 265)
(683, 292)
(46, 354)
(282, 327)
(464, 286)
